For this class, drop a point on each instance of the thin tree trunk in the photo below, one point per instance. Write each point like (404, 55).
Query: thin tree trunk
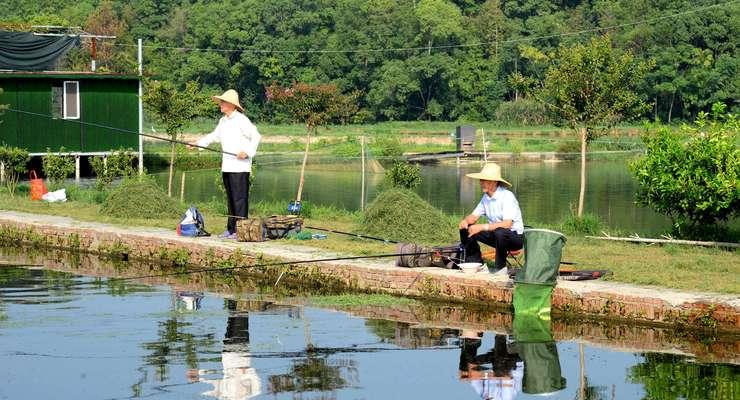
(582, 192)
(172, 170)
(303, 167)
(670, 108)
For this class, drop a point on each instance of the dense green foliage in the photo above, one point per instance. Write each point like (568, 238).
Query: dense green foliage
(692, 175)
(140, 199)
(401, 215)
(57, 167)
(423, 59)
(14, 161)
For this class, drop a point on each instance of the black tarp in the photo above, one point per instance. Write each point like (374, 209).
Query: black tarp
(23, 51)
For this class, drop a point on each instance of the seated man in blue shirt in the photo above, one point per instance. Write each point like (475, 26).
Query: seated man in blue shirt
(504, 230)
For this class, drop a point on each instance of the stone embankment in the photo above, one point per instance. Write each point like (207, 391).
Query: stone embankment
(585, 299)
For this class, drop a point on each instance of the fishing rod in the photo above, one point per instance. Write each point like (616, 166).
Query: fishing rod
(121, 130)
(357, 235)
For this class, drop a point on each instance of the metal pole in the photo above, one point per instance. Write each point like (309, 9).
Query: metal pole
(141, 113)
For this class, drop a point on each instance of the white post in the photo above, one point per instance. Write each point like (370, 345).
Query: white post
(182, 187)
(362, 191)
(141, 113)
(485, 145)
(77, 169)
(2, 172)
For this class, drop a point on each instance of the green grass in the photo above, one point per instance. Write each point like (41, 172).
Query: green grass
(358, 300)
(673, 266)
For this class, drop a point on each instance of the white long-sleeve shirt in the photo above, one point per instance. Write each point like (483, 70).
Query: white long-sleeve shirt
(236, 133)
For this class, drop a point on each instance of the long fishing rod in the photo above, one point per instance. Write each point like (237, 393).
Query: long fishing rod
(121, 130)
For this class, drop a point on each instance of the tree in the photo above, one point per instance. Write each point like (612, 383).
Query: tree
(692, 174)
(590, 88)
(314, 105)
(175, 109)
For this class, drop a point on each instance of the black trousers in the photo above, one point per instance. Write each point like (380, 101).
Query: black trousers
(237, 197)
(502, 239)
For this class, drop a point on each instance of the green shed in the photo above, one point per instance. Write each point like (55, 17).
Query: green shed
(89, 113)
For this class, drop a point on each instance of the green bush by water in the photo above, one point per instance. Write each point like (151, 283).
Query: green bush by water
(139, 199)
(588, 224)
(401, 215)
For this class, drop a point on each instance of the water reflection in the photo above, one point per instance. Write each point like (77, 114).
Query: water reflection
(71, 333)
(239, 379)
(494, 375)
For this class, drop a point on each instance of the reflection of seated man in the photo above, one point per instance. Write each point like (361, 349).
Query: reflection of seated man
(504, 230)
(189, 301)
(503, 380)
(240, 380)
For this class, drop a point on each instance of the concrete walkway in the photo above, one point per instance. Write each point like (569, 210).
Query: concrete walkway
(594, 298)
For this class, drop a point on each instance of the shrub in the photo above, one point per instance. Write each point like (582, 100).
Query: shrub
(522, 112)
(401, 215)
(119, 164)
(57, 167)
(387, 146)
(691, 175)
(14, 159)
(402, 175)
(588, 224)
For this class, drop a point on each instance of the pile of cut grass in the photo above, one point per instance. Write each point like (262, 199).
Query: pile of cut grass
(140, 199)
(401, 215)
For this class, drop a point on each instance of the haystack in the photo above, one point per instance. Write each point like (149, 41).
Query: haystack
(401, 215)
(140, 200)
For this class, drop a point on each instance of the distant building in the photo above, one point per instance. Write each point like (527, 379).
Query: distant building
(87, 113)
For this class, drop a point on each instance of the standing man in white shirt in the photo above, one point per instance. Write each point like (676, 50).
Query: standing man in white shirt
(238, 136)
(505, 228)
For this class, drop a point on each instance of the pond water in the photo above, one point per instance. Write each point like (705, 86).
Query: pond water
(66, 336)
(546, 191)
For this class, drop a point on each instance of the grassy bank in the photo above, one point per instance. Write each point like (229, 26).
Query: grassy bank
(671, 266)
(420, 137)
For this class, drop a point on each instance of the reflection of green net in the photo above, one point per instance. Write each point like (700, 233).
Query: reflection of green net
(537, 349)
(532, 300)
(542, 251)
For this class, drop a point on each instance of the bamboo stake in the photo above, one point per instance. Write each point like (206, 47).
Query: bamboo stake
(671, 241)
(182, 187)
(362, 190)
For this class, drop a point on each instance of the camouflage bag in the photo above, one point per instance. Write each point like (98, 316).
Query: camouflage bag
(272, 227)
(279, 226)
(250, 230)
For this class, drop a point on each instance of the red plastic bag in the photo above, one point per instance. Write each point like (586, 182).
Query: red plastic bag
(38, 189)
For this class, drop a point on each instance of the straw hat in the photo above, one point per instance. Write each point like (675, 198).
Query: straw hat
(230, 96)
(490, 172)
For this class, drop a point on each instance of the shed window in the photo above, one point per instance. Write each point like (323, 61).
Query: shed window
(71, 100)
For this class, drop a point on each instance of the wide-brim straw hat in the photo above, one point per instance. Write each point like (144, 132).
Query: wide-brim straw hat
(230, 96)
(490, 172)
